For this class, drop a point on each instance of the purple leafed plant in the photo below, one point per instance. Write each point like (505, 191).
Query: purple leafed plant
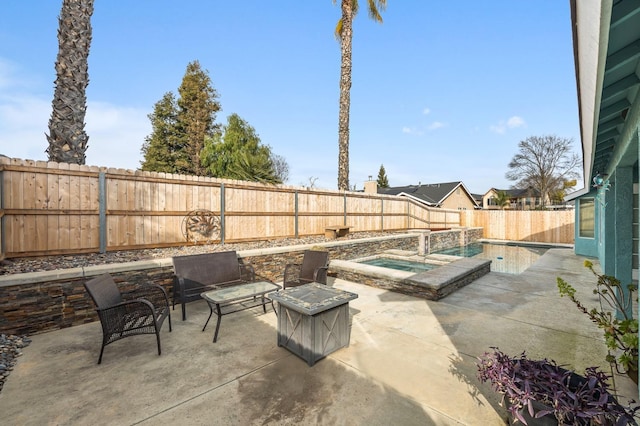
(571, 398)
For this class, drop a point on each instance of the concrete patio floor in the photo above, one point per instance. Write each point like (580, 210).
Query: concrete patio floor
(410, 361)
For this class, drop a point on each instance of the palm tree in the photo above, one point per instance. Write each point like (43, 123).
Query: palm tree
(502, 199)
(344, 33)
(67, 139)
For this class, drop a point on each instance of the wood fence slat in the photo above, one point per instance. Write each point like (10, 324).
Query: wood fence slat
(64, 187)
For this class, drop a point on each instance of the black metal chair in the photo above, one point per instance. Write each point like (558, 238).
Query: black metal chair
(143, 311)
(313, 268)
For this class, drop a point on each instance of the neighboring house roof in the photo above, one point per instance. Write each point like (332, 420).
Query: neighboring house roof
(517, 193)
(432, 194)
(477, 198)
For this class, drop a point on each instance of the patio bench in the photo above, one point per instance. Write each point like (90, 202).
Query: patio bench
(336, 231)
(199, 273)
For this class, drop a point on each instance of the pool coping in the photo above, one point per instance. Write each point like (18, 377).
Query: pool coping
(525, 243)
(432, 285)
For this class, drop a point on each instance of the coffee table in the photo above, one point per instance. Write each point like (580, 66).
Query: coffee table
(313, 320)
(237, 298)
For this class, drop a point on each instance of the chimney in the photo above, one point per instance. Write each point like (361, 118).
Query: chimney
(371, 186)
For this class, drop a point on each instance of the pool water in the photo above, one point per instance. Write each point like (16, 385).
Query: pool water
(399, 264)
(507, 258)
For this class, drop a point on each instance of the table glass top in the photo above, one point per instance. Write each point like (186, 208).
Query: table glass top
(242, 291)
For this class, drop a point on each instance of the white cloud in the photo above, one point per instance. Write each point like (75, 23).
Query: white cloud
(426, 111)
(116, 133)
(23, 123)
(412, 131)
(515, 121)
(511, 123)
(436, 125)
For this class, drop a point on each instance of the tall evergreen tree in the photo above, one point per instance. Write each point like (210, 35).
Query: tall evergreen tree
(197, 108)
(237, 153)
(162, 149)
(181, 126)
(383, 182)
(344, 33)
(67, 138)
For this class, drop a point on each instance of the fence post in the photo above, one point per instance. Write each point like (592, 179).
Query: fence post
(222, 220)
(381, 214)
(295, 215)
(102, 211)
(345, 209)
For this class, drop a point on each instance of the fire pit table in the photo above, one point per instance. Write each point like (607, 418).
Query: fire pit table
(313, 320)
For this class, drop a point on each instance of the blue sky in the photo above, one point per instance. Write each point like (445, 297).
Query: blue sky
(442, 91)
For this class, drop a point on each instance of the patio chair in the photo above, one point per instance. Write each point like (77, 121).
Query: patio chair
(140, 312)
(313, 268)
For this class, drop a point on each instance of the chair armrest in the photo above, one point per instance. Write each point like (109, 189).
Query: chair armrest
(320, 275)
(154, 293)
(247, 272)
(116, 313)
(184, 288)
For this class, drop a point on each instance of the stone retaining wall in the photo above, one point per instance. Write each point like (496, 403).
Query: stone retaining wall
(38, 302)
(443, 240)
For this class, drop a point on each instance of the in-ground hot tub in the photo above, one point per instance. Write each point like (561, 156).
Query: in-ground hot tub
(451, 274)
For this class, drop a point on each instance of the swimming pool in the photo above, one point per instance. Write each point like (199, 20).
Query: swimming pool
(509, 258)
(399, 264)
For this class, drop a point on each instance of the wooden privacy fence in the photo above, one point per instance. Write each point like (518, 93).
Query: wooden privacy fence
(523, 225)
(50, 208)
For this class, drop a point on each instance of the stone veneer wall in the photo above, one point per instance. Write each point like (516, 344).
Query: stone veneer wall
(412, 288)
(49, 302)
(442, 240)
(28, 308)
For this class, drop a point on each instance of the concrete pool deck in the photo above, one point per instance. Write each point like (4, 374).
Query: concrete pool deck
(410, 361)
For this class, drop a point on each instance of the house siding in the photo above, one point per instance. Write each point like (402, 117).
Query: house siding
(458, 200)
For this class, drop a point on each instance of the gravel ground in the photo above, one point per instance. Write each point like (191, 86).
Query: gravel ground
(10, 349)
(50, 263)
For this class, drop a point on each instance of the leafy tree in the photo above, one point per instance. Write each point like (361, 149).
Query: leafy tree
(197, 108)
(557, 196)
(181, 126)
(502, 199)
(544, 163)
(383, 182)
(237, 153)
(280, 166)
(344, 33)
(67, 138)
(162, 149)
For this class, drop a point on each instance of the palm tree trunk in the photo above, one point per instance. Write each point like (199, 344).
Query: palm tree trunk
(67, 139)
(345, 95)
